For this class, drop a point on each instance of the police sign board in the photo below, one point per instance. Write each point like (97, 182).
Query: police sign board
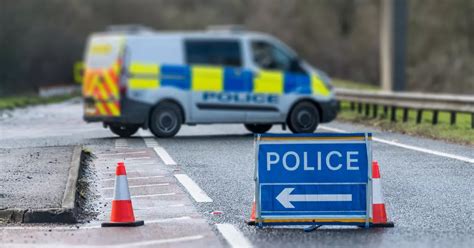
(320, 178)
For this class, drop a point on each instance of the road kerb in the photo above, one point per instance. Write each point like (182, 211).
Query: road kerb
(65, 214)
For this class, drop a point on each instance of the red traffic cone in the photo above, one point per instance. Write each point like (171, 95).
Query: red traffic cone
(379, 214)
(252, 219)
(122, 209)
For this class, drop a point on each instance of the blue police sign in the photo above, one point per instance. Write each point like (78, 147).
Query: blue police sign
(320, 178)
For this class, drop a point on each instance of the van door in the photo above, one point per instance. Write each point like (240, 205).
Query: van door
(217, 80)
(101, 83)
(273, 65)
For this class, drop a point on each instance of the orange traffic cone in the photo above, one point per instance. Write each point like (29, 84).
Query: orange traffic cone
(122, 209)
(252, 219)
(379, 214)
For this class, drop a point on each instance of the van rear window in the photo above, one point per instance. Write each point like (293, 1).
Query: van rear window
(212, 52)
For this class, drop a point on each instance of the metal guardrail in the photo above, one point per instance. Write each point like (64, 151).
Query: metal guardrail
(367, 101)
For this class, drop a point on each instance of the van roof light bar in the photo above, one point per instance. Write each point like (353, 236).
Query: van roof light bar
(226, 28)
(129, 28)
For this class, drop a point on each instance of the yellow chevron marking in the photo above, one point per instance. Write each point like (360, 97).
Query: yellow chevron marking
(100, 108)
(113, 108)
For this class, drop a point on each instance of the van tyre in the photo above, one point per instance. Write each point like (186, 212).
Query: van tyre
(166, 120)
(303, 118)
(258, 128)
(123, 131)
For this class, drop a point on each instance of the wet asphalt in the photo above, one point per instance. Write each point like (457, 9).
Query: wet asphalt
(429, 197)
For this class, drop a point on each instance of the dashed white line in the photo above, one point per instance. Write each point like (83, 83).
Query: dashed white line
(167, 159)
(233, 236)
(410, 147)
(150, 142)
(160, 151)
(194, 190)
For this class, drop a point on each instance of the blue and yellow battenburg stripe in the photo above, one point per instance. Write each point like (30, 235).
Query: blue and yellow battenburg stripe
(144, 76)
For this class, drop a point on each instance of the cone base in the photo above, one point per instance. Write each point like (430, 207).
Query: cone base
(112, 224)
(250, 222)
(387, 224)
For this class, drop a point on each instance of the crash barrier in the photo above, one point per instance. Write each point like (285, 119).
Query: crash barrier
(122, 209)
(58, 90)
(317, 179)
(367, 101)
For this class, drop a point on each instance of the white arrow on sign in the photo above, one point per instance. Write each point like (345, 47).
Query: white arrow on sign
(285, 198)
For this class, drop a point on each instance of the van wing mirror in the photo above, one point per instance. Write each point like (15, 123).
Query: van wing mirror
(295, 66)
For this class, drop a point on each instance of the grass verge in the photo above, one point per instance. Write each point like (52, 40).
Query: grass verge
(12, 102)
(461, 132)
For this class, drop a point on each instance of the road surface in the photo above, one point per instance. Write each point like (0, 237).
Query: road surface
(427, 185)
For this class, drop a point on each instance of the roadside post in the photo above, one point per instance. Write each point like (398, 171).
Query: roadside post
(313, 179)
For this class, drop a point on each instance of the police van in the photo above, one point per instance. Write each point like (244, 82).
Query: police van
(139, 78)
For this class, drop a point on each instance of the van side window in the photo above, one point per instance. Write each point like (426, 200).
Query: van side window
(271, 57)
(213, 52)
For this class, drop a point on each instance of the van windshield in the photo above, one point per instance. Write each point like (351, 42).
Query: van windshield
(103, 51)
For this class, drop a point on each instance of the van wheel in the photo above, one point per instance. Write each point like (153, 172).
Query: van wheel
(166, 120)
(258, 128)
(303, 118)
(123, 131)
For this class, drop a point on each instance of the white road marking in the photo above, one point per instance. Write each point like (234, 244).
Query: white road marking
(410, 147)
(120, 153)
(140, 164)
(139, 170)
(150, 142)
(121, 143)
(139, 186)
(137, 158)
(194, 190)
(167, 159)
(160, 151)
(132, 244)
(134, 178)
(146, 196)
(153, 195)
(158, 207)
(233, 236)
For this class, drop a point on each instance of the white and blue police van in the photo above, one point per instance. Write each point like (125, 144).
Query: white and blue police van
(140, 78)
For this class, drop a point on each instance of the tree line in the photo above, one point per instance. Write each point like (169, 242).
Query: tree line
(41, 40)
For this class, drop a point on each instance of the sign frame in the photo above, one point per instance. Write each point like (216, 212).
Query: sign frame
(341, 138)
